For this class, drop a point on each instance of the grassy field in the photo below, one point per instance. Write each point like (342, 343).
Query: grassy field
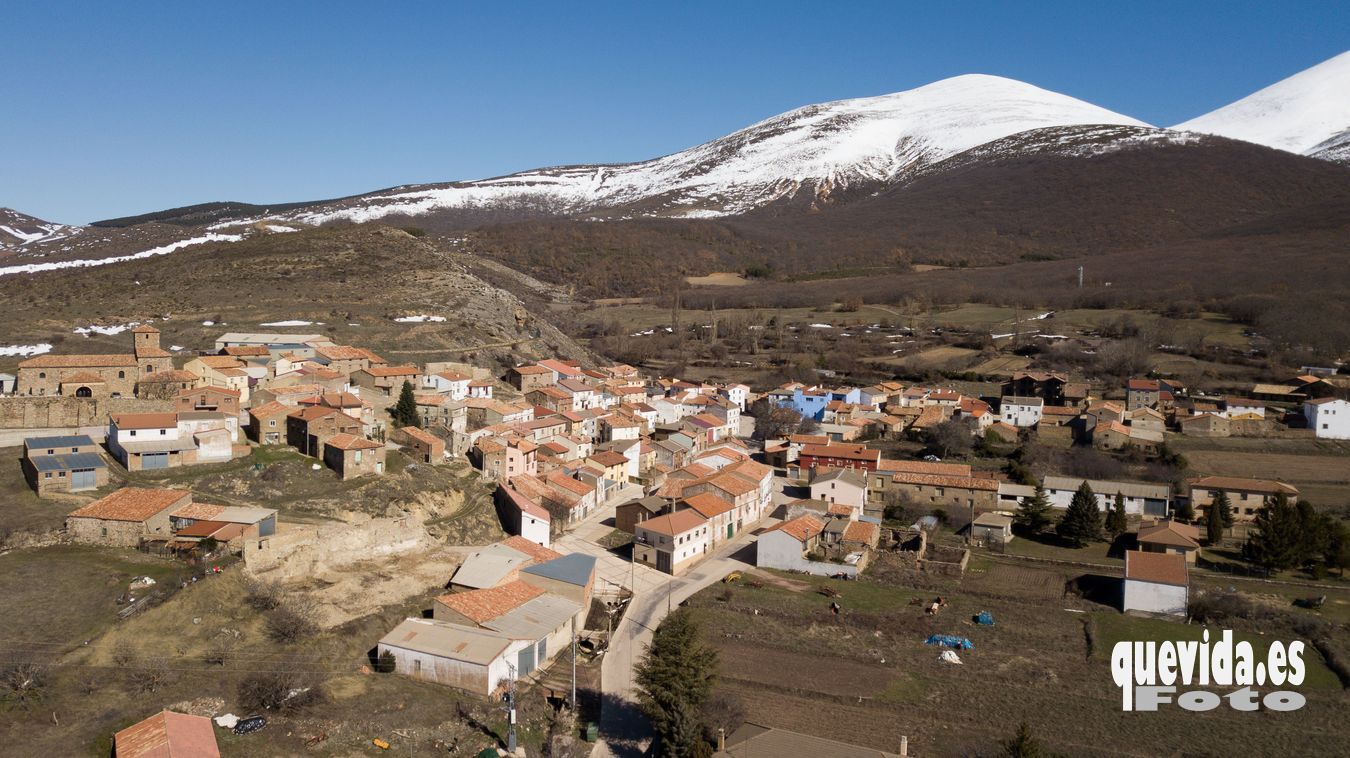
(1216, 329)
(867, 677)
(1319, 468)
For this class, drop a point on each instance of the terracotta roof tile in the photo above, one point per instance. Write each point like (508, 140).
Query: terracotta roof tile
(78, 361)
(131, 504)
(801, 528)
(483, 605)
(708, 505)
(676, 523)
(351, 442)
(1161, 568)
(538, 553)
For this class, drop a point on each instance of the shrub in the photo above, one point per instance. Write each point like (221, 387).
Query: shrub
(262, 596)
(386, 663)
(292, 621)
(284, 690)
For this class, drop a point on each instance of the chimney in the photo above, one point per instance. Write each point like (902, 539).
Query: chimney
(904, 746)
(722, 740)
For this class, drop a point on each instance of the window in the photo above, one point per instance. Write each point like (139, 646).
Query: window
(163, 432)
(131, 433)
(42, 374)
(121, 375)
(48, 475)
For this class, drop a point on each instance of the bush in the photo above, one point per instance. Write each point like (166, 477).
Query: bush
(22, 682)
(723, 712)
(386, 663)
(285, 690)
(292, 621)
(260, 595)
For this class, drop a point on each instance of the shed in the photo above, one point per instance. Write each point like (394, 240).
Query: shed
(168, 735)
(1155, 583)
(474, 660)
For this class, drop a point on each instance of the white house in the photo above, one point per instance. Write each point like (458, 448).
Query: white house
(736, 394)
(1021, 411)
(840, 486)
(1328, 417)
(522, 516)
(786, 545)
(1155, 583)
(449, 383)
(1141, 498)
(673, 542)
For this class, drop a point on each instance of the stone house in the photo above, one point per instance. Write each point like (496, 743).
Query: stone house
(267, 423)
(307, 429)
(208, 399)
(530, 378)
(386, 381)
(421, 445)
(126, 517)
(352, 456)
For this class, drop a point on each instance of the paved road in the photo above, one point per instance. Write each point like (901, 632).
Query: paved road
(624, 730)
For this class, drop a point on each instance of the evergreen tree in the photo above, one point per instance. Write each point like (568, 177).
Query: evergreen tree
(1277, 541)
(1116, 523)
(1033, 513)
(1337, 555)
(1082, 522)
(1225, 509)
(404, 412)
(1214, 518)
(1022, 744)
(1184, 511)
(674, 680)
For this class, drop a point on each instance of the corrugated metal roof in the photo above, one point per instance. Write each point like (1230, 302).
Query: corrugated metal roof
(535, 619)
(575, 568)
(72, 440)
(67, 462)
(459, 643)
(488, 567)
(1099, 487)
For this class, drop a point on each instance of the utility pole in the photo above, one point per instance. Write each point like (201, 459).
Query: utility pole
(510, 709)
(1080, 277)
(574, 667)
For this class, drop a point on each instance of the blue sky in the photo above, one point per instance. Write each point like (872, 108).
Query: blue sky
(111, 109)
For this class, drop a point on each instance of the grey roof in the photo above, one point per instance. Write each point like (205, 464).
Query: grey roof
(535, 619)
(242, 514)
(1099, 487)
(1015, 400)
(843, 474)
(651, 503)
(486, 568)
(67, 462)
(574, 568)
(69, 440)
(446, 640)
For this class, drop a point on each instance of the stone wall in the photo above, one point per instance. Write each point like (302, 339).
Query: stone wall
(299, 551)
(54, 412)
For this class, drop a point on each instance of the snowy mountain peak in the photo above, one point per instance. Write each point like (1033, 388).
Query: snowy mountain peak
(812, 152)
(1296, 114)
(18, 229)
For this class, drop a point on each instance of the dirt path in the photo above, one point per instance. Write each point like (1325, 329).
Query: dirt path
(779, 581)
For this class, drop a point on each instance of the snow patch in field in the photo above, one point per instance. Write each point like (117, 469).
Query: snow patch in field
(176, 348)
(822, 326)
(105, 330)
(33, 268)
(418, 319)
(25, 350)
(291, 322)
(208, 323)
(280, 229)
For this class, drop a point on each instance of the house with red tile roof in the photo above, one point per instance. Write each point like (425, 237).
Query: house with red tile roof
(1155, 583)
(127, 517)
(351, 456)
(673, 542)
(168, 734)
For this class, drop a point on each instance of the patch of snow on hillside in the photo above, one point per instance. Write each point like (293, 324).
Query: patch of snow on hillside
(418, 319)
(290, 322)
(280, 229)
(33, 268)
(10, 351)
(105, 330)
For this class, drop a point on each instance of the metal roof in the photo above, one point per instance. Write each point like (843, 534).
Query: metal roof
(1099, 487)
(67, 462)
(70, 440)
(574, 568)
(487, 568)
(535, 619)
(445, 640)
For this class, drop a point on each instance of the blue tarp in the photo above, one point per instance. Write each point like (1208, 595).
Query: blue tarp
(949, 640)
(985, 618)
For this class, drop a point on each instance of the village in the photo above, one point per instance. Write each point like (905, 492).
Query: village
(608, 496)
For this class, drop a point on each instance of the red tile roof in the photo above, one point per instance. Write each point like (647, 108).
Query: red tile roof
(480, 606)
(801, 528)
(673, 524)
(78, 361)
(1160, 568)
(538, 553)
(708, 505)
(131, 504)
(168, 735)
(351, 442)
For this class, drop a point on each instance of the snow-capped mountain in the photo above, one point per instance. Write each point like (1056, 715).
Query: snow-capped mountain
(808, 152)
(1301, 114)
(18, 229)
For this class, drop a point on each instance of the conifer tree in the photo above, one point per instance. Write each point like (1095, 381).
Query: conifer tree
(1033, 513)
(404, 412)
(1082, 522)
(1116, 523)
(674, 680)
(1214, 518)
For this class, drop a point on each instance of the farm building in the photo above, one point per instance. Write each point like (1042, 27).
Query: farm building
(470, 659)
(127, 516)
(1141, 498)
(991, 527)
(1155, 583)
(63, 464)
(168, 734)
